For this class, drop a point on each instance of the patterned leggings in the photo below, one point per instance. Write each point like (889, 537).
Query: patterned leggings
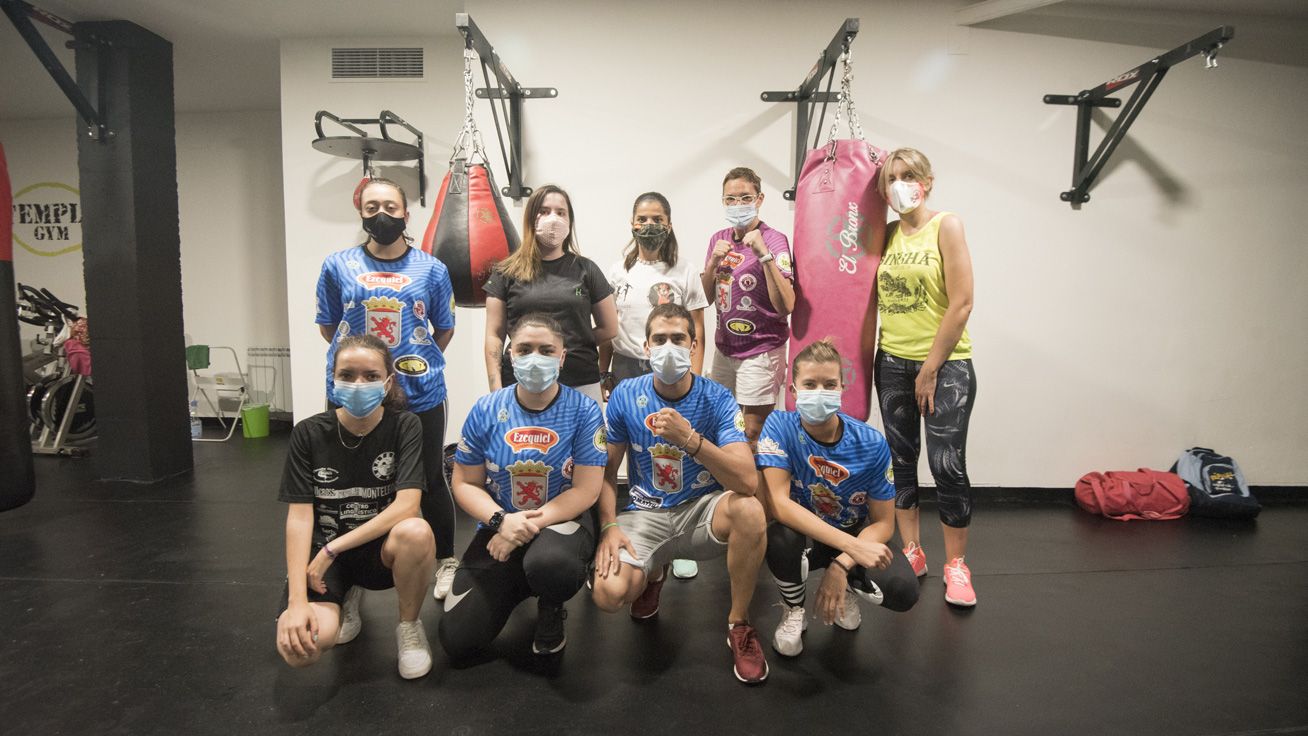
(946, 432)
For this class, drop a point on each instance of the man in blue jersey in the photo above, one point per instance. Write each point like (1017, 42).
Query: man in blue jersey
(827, 482)
(402, 296)
(687, 446)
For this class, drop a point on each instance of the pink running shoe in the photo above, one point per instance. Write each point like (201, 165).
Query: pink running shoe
(958, 584)
(917, 558)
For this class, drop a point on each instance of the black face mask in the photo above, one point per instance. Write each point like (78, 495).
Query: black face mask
(383, 228)
(652, 235)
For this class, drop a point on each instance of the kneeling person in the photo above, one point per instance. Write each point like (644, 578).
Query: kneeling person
(828, 479)
(354, 480)
(529, 468)
(687, 442)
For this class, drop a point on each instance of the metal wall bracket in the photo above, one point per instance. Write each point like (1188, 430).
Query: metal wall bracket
(807, 95)
(1085, 167)
(21, 14)
(510, 93)
(371, 148)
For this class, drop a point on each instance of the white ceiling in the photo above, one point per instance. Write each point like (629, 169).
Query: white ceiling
(225, 52)
(1274, 31)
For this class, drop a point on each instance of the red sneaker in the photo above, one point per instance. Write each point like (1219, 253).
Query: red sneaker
(751, 667)
(958, 584)
(917, 558)
(648, 603)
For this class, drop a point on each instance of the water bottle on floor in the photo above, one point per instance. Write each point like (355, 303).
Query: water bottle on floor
(195, 420)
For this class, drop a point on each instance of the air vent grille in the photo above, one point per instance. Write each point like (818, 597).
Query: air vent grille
(377, 63)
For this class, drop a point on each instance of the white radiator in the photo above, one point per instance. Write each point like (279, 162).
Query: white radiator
(269, 371)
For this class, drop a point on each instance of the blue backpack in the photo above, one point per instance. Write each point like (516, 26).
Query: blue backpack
(1217, 486)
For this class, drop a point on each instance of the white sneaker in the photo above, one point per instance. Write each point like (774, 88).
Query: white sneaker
(351, 623)
(445, 569)
(788, 641)
(850, 617)
(415, 653)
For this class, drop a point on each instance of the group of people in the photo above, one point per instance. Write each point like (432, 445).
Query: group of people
(712, 470)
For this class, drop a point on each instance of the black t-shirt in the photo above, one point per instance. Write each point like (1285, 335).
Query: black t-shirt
(566, 289)
(349, 486)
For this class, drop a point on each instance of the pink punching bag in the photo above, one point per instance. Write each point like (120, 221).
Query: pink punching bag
(470, 230)
(17, 482)
(840, 227)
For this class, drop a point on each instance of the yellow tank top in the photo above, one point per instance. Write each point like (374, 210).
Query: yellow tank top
(911, 296)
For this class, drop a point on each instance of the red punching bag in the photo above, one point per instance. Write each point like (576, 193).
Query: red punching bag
(470, 230)
(840, 225)
(17, 481)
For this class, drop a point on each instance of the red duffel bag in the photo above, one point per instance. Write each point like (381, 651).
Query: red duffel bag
(1128, 495)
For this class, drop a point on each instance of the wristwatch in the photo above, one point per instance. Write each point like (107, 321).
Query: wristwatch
(496, 519)
(766, 259)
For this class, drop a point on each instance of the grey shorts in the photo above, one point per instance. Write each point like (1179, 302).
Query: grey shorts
(682, 532)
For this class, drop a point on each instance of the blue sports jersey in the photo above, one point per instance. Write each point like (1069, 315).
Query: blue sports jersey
(662, 475)
(393, 300)
(529, 455)
(835, 482)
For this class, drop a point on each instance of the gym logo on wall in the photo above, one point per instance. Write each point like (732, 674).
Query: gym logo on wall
(48, 219)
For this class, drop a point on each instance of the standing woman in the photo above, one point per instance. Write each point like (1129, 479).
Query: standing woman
(548, 275)
(353, 482)
(528, 468)
(403, 297)
(924, 362)
(649, 274)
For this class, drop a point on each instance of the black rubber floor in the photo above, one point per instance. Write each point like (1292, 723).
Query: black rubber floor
(139, 611)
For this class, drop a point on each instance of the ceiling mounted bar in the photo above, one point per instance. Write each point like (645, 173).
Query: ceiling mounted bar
(22, 14)
(370, 148)
(807, 95)
(1086, 167)
(508, 91)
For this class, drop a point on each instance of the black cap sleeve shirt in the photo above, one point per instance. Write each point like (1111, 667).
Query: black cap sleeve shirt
(566, 289)
(348, 486)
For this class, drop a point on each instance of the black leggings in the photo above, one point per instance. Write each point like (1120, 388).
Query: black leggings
(895, 588)
(895, 381)
(437, 504)
(552, 566)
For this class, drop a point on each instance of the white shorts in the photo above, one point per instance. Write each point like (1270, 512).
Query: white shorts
(682, 532)
(756, 380)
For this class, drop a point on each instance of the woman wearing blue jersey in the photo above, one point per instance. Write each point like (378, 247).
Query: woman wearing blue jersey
(402, 296)
(528, 468)
(829, 487)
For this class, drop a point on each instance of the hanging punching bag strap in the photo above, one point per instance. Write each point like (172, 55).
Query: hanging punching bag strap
(469, 142)
(17, 482)
(846, 102)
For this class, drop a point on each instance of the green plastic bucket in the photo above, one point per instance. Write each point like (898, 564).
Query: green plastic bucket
(254, 420)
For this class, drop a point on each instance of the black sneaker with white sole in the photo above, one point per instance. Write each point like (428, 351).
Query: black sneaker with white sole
(550, 629)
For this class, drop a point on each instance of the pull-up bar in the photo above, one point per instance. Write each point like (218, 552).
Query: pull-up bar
(1085, 168)
(21, 14)
(807, 96)
(509, 90)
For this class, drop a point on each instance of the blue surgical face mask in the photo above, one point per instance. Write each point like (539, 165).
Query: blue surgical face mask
(817, 406)
(359, 399)
(740, 215)
(670, 362)
(536, 372)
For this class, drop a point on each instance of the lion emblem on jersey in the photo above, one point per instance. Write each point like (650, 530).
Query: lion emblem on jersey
(825, 501)
(666, 466)
(530, 483)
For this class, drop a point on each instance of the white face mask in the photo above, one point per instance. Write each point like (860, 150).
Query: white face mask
(551, 230)
(906, 196)
(740, 215)
(816, 406)
(670, 362)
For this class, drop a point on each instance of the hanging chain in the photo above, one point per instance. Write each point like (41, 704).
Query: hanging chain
(847, 100)
(470, 135)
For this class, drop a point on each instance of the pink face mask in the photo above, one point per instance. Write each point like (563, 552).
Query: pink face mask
(551, 230)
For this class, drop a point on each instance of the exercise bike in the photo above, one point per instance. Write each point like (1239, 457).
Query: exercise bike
(60, 403)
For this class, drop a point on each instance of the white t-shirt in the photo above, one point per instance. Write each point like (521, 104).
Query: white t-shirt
(644, 287)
